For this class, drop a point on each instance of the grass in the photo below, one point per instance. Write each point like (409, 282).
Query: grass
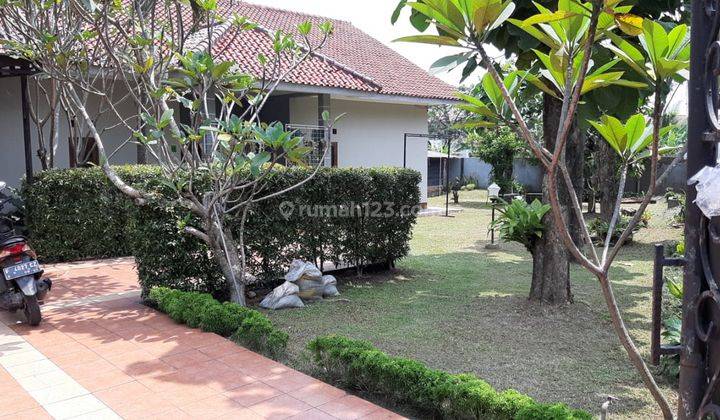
(459, 307)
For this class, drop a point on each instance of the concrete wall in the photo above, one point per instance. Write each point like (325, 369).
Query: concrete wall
(371, 134)
(530, 176)
(676, 180)
(12, 160)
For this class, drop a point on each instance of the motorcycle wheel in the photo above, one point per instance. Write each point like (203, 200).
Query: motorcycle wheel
(32, 311)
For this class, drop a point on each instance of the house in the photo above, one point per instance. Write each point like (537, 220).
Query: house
(383, 95)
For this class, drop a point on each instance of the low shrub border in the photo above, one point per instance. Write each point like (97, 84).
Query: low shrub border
(245, 326)
(359, 365)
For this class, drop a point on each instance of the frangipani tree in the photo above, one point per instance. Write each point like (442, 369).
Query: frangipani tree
(199, 116)
(572, 31)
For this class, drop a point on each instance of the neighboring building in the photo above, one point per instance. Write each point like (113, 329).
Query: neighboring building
(383, 94)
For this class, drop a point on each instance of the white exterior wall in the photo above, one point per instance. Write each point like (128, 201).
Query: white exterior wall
(371, 134)
(12, 151)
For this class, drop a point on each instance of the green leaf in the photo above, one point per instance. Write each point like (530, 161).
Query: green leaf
(635, 127)
(676, 39)
(675, 288)
(165, 118)
(668, 68)
(493, 92)
(398, 9)
(548, 17)
(438, 16)
(448, 10)
(504, 16)
(429, 39)
(220, 69)
(448, 63)
(536, 33)
(654, 39)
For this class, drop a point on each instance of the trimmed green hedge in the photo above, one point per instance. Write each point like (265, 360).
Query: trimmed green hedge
(245, 326)
(359, 365)
(76, 214)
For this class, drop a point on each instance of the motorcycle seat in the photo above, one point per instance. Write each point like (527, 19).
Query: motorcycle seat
(12, 241)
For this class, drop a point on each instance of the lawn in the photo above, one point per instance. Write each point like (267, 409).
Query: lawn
(459, 307)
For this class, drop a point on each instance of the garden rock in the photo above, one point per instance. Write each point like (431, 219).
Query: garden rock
(284, 296)
(329, 286)
(302, 269)
(304, 283)
(310, 289)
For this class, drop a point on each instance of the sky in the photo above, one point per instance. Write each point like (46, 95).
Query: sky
(373, 17)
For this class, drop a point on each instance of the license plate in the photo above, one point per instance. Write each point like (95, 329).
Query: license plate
(21, 270)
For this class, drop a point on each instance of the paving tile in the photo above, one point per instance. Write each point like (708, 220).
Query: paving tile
(58, 393)
(222, 349)
(263, 369)
(110, 357)
(213, 407)
(144, 407)
(318, 393)
(83, 355)
(10, 360)
(74, 407)
(383, 414)
(104, 414)
(105, 381)
(15, 402)
(289, 381)
(254, 393)
(228, 380)
(123, 394)
(37, 413)
(32, 368)
(348, 407)
(313, 414)
(188, 358)
(280, 407)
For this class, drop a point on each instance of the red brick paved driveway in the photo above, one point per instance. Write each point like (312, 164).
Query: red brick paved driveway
(100, 354)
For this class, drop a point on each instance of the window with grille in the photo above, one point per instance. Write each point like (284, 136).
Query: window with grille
(315, 137)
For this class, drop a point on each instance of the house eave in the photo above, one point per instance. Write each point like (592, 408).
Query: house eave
(357, 95)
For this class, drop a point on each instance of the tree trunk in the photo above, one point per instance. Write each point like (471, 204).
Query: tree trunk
(227, 255)
(551, 260)
(607, 175)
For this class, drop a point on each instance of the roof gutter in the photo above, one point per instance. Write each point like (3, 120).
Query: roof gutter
(357, 95)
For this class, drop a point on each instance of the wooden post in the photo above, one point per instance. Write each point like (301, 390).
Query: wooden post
(658, 280)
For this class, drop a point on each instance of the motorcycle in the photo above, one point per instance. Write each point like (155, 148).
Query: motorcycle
(21, 283)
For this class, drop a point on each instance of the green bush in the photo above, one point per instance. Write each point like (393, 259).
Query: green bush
(224, 319)
(77, 214)
(521, 222)
(245, 326)
(359, 365)
(257, 332)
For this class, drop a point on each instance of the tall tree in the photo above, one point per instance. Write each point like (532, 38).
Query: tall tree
(551, 276)
(660, 59)
(216, 157)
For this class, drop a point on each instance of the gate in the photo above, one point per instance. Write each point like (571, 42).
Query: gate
(700, 354)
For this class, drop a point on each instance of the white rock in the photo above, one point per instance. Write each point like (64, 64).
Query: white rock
(330, 286)
(302, 269)
(284, 296)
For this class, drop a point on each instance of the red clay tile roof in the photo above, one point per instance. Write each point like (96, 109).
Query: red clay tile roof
(357, 60)
(243, 48)
(350, 59)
